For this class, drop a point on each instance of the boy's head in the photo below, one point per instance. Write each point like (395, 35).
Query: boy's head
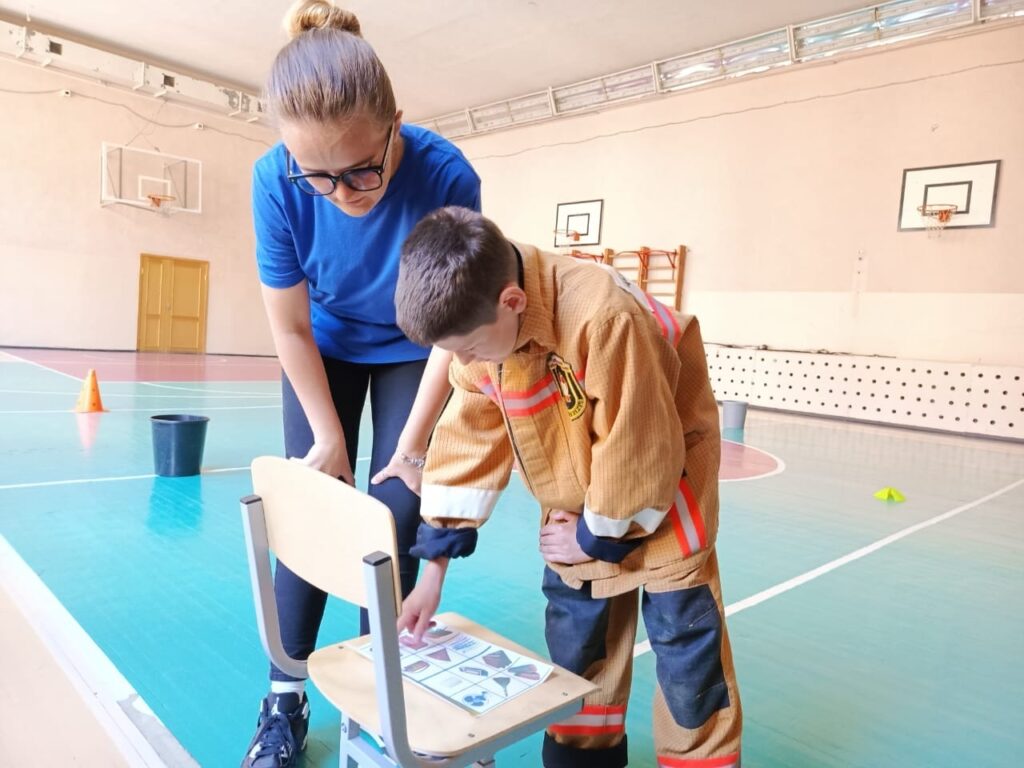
(458, 286)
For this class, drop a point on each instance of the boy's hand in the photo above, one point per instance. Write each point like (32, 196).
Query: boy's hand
(403, 470)
(558, 539)
(421, 604)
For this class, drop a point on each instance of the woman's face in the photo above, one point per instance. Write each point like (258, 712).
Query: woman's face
(337, 147)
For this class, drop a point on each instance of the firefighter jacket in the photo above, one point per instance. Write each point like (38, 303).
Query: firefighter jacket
(606, 409)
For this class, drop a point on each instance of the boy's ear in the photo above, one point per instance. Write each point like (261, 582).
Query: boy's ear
(512, 298)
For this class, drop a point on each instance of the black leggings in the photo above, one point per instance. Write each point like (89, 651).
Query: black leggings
(392, 389)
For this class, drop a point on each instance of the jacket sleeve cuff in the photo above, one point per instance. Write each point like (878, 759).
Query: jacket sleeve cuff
(432, 543)
(601, 548)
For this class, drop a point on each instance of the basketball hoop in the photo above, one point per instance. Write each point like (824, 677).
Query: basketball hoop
(156, 203)
(568, 234)
(936, 216)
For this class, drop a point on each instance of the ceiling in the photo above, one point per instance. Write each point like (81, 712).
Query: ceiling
(442, 55)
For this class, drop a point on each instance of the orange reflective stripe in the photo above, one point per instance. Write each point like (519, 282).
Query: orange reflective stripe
(592, 720)
(688, 525)
(666, 319)
(528, 402)
(694, 510)
(677, 526)
(486, 386)
(729, 761)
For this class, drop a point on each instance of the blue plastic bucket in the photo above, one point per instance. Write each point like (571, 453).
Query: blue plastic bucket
(734, 414)
(178, 441)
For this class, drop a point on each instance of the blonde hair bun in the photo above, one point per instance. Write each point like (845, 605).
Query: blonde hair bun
(319, 14)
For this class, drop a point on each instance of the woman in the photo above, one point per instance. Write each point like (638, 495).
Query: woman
(332, 204)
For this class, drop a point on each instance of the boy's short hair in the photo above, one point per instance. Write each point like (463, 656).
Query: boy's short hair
(454, 266)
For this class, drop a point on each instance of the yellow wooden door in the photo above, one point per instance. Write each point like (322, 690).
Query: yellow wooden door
(172, 304)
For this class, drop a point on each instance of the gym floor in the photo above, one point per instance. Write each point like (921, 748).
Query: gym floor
(866, 633)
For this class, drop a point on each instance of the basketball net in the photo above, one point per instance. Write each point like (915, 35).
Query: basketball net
(936, 216)
(156, 202)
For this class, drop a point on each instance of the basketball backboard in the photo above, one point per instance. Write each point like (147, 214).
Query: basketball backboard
(147, 179)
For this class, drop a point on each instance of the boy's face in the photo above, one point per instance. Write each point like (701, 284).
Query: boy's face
(495, 341)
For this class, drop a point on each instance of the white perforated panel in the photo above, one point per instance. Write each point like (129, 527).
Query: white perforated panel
(972, 399)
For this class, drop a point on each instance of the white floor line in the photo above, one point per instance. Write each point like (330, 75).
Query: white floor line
(149, 410)
(138, 734)
(108, 394)
(107, 362)
(780, 465)
(197, 389)
(749, 602)
(87, 480)
(21, 359)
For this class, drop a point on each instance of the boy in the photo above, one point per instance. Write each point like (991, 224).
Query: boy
(600, 396)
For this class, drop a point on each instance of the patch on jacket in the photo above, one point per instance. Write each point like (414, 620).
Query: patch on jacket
(565, 379)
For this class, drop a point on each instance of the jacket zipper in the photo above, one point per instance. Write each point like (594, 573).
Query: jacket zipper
(511, 435)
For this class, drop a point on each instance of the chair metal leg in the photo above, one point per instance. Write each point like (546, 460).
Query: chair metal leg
(262, 579)
(349, 733)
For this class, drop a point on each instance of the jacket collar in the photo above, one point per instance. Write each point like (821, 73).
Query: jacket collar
(536, 323)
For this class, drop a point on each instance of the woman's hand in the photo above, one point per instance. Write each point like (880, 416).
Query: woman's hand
(330, 458)
(430, 399)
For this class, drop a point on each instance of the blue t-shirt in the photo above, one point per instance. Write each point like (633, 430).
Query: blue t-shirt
(352, 263)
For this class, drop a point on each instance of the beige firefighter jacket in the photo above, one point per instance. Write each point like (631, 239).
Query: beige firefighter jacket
(606, 409)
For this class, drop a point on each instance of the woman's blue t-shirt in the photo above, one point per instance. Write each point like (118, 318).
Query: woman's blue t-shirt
(352, 263)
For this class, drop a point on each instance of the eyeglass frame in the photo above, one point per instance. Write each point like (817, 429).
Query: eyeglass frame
(295, 178)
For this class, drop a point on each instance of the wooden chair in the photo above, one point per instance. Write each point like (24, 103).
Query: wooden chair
(343, 541)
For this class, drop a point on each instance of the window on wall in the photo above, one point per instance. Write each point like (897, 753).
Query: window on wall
(877, 25)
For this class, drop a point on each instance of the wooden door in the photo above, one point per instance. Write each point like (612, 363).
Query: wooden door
(172, 304)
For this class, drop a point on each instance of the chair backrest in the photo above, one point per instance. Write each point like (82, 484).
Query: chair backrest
(321, 528)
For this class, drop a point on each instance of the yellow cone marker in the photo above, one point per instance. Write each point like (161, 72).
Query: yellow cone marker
(889, 494)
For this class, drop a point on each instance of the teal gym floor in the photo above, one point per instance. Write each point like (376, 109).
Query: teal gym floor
(866, 633)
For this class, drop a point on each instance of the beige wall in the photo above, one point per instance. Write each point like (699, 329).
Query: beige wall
(789, 209)
(69, 268)
(786, 189)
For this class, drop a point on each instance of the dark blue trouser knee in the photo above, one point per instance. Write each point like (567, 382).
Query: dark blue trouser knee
(578, 629)
(594, 637)
(392, 389)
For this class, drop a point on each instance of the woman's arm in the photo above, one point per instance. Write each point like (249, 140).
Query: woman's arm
(412, 443)
(288, 313)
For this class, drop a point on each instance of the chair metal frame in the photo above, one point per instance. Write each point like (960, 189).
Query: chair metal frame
(379, 578)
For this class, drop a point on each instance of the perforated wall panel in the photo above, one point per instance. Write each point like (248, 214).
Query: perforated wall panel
(962, 398)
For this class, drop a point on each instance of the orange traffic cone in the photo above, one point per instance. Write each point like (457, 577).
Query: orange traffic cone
(89, 400)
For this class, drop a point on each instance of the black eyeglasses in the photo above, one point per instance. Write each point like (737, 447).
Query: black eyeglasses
(365, 179)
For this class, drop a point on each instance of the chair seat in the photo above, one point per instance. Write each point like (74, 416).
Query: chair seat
(435, 726)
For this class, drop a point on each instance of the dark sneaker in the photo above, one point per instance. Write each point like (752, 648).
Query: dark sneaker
(280, 732)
